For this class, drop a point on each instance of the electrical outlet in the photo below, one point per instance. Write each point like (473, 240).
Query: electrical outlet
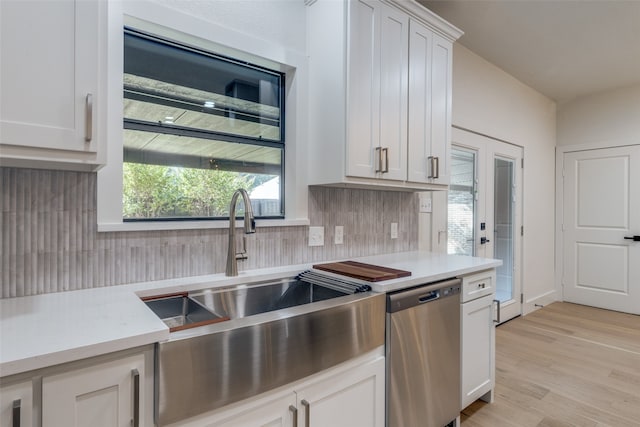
(338, 237)
(394, 230)
(425, 204)
(316, 236)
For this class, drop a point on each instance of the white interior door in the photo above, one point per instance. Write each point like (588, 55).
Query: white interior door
(485, 210)
(601, 202)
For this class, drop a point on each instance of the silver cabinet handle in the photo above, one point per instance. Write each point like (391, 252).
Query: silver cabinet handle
(386, 160)
(498, 310)
(294, 415)
(307, 412)
(88, 118)
(135, 375)
(379, 153)
(434, 167)
(15, 413)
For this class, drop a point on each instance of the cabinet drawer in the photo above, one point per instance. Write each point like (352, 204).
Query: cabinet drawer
(478, 285)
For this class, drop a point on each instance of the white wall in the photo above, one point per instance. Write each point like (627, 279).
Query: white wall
(489, 101)
(606, 117)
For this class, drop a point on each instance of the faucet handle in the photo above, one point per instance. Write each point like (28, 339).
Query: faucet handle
(243, 254)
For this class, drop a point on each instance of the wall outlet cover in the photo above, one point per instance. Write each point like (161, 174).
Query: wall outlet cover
(316, 236)
(394, 230)
(425, 205)
(338, 237)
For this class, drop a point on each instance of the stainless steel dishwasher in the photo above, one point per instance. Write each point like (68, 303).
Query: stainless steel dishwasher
(423, 355)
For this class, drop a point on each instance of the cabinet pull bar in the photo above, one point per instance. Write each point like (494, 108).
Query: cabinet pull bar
(379, 154)
(386, 160)
(15, 413)
(294, 415)
(430, 166)
(135, 422)
(437, 168)
(88, 118)
(497, 311)
(307, 412)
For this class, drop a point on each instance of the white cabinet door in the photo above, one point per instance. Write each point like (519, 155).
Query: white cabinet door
(394, 53)
(270, 410)
(16, 404)
(478, 350)
(363, 83)
(430, 68)
(352, 399)
(49, 77)
(441, 74)
(377, 85)
(105, 395)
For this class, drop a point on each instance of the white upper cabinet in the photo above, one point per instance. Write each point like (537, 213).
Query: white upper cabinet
(430, 71)
(366, 126)
(377, 82)
(51, 57)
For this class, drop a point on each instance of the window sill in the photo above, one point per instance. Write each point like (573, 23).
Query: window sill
(194, 225)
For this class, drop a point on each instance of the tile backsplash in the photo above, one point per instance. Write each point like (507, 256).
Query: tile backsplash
(50, 241)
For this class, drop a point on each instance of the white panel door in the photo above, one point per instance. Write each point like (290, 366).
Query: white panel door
(601, 201)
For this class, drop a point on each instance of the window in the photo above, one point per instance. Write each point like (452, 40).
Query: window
(197, 126)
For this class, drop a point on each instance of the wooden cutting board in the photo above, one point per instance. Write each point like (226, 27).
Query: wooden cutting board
(362, 271)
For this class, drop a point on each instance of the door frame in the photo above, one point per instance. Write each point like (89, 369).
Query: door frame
(560, 152)
(484, 145)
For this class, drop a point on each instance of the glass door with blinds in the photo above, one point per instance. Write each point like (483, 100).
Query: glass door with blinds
(485, 210)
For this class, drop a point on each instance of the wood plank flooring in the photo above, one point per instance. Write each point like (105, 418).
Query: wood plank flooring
(564, 365)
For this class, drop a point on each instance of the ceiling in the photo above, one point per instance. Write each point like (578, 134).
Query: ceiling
(562, 48)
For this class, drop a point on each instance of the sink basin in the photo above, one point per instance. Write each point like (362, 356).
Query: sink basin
(179, 312)
(278, 332)
(263, 297)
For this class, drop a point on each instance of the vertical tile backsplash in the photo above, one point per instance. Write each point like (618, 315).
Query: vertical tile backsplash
(50, 241)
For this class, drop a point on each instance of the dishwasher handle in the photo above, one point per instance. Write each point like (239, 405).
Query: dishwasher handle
(413, 297)
(433, 295)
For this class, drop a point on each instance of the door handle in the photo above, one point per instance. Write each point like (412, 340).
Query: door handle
(386, 160)
(15, 413)
(634, 238)
(88, 118)
(434, 167)
(294, 415)
(484, 240)
(307, 412)
(135, 376)
(497, 310)
(379, 153)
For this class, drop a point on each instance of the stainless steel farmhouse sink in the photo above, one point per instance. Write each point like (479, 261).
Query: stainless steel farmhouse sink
(276, 332)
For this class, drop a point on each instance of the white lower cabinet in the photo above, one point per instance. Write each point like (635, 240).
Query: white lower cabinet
(478, 338)
(16, 404)
(110, 394)
(350, 395)
(354, 398)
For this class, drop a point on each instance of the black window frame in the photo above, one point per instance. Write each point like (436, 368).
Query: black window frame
(173, 129)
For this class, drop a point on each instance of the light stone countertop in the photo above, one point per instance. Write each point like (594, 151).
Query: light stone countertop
(50, 329)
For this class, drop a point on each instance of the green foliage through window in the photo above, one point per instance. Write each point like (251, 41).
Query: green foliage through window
(152, 191)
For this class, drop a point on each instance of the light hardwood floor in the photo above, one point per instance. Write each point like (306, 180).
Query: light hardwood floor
(564, 365)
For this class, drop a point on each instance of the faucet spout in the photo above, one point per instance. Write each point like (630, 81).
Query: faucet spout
(249, 228)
